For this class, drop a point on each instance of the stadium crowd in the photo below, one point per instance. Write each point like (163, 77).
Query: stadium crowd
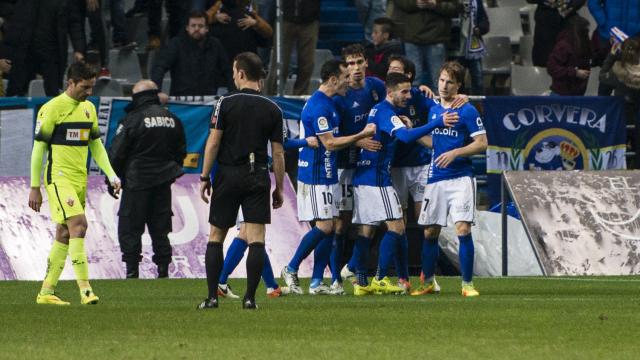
(345, 176)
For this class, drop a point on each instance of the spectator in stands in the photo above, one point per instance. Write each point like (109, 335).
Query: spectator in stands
(197, 61)
(623, 14)
(569, 62)
(474, 24)
(237, 25)
(118, 31)
(92, 11)
(427, 31)
(368, 12)
(384, 44)
(36, 40)
(300, 29)
(621, 71)
(176, 9)
(550, 16)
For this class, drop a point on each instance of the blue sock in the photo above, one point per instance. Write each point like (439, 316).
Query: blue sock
(352, 265)
(429, 256)
(231, 261)
(362, 247)
(307, 244)
(267, 273)
(402, 257)
(387, 252)
(336, 257)
(466, 254)
(321, 256)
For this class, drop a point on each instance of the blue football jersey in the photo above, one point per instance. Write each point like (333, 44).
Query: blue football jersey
(374, 168)
(414, 154)
(446, 139)
(353, 109)
(319, 116)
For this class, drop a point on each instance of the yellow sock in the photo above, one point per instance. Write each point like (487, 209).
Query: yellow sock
(79, 262)
(55, 265)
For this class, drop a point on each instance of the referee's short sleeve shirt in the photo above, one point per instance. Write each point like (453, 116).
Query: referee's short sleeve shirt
(248, 122)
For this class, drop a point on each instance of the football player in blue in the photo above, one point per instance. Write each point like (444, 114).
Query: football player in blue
(410, 164)
(317, 176)
(450, 188)
(375, 200)
(353, 108)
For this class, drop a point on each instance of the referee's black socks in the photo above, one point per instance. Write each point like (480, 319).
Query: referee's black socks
(213, 260)
(255, 263)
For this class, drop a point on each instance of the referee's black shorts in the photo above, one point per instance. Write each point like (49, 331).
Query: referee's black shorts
(235, 186)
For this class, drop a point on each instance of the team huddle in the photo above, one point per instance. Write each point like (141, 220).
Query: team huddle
(364, 148)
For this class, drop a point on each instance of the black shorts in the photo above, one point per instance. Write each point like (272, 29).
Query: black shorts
(236, 186)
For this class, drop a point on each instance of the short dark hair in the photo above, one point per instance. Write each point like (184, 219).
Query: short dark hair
(408, 65)
(331, 68)
(387, 25)
(395, 79)
(196, 14)
(78, 71)
(353, 50)
(455, 70)
(251, 64)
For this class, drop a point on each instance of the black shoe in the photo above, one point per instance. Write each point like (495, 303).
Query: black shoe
(132, 271)
(125, 46)
(249, 304)
(163, 271)
(208, 304)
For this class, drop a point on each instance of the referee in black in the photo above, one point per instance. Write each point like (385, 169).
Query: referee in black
(147, 154)
(241, 126)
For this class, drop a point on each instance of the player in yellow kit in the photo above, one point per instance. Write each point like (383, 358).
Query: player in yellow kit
(66, 126)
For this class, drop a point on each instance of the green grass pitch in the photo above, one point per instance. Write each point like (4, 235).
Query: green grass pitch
(514, 318)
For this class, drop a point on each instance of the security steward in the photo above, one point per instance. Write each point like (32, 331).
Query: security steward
(147, 153)
(241, 126)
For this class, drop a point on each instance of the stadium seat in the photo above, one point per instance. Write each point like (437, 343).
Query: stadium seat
(498, 57)
(505, 21)
(592, 85)
(314, 84)
(526, 49)
(322, 55)
(108, 88)
(124, 66)
(512, 3)
(529, 80)
(36, 88)
(527, 18)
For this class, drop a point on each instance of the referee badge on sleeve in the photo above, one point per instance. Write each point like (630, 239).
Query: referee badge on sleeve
(323, 123)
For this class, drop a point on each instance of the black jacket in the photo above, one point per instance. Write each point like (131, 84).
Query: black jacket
(196, 68)
(149, 146)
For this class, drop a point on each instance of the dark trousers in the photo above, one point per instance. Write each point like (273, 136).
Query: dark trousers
(177, 11)
(25, 70)
(98, 38)
(152, 207)
(119, 35)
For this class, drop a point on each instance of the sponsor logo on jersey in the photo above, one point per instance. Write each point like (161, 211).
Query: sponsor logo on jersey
(355, 105)
(77, 134)
(38, 125)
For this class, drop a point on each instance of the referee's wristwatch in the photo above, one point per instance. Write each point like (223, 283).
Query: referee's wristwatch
(205, 178)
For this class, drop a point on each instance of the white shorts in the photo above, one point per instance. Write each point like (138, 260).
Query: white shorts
(455, 197)
(373, 205)
(344, 192)
(410, 180)
(316, 202)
